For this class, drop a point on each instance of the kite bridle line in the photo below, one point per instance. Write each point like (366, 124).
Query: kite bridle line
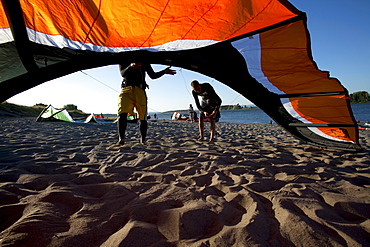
(211, 83)
(83, 72)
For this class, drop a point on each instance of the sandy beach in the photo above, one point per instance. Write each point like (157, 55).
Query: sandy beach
(256, 185)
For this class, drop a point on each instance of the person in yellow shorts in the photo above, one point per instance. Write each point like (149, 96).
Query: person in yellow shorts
(133, 96)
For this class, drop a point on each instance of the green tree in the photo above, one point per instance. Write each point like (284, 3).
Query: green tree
(359, 97)
(41, 105)
(70, 107)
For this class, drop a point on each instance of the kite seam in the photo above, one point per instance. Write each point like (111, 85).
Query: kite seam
(231, 35)
(183, 37)
(93, 23)
(156, 24)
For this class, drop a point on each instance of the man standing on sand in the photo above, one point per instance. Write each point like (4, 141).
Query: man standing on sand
(210, 106)
(133, 96)
(191, 113)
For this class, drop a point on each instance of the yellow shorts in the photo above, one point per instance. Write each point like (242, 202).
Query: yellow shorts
(130, 98)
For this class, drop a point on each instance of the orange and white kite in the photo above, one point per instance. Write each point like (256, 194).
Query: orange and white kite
(259, 48)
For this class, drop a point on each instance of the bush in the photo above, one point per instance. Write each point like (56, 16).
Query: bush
(71, 107)
(359, 97)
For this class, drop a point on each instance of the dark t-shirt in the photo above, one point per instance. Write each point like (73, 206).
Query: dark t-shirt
(209, 97)
(136, 77)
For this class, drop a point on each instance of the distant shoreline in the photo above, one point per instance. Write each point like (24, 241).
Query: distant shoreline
(222, 109)
(14, 110)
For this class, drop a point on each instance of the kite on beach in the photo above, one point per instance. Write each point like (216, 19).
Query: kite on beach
(265, 44)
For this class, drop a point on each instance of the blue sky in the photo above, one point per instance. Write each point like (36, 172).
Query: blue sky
(340, 40)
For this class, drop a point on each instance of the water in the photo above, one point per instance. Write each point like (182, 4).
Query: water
(255, 115)
(361, 111)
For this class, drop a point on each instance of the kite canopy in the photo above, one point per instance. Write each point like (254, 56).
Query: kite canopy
(259, 48)
(51, 114)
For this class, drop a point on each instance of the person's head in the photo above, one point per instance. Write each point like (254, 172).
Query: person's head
(136, 65)
(196, 86)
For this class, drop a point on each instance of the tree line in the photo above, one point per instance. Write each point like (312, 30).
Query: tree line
(68, 107)
(235, 107)
(359, 97)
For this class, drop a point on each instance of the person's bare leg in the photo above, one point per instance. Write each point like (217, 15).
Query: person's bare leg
(213, 130)
(201, 129)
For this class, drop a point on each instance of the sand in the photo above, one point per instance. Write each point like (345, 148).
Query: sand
(256, 185)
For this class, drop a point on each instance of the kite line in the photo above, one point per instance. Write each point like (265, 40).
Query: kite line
(108, 86)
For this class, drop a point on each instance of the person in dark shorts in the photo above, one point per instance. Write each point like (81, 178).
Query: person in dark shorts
(191, 113)
(209, 107)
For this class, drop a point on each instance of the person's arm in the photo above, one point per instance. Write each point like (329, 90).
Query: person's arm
(155, 75)
(217, 108)
(195, 96)
(123, 69)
